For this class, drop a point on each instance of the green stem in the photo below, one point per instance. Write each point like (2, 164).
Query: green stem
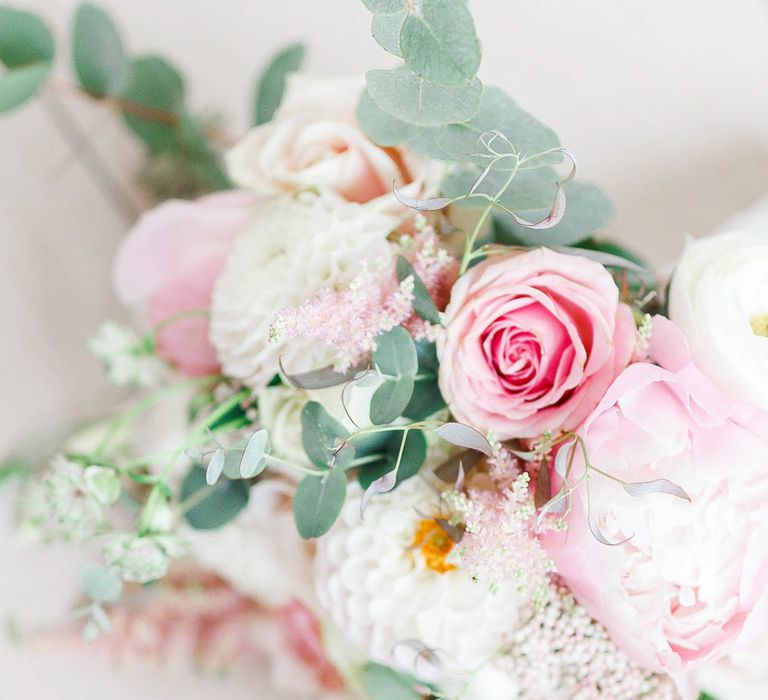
(272, 461)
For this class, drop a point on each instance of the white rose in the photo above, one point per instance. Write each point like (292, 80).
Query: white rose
(719, 298)
(314, 141)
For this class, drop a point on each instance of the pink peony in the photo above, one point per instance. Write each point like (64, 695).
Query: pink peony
(692, 582)
(532, 343)
(169, 263)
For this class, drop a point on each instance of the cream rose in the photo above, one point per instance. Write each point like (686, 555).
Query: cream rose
(314, 141)
(719, 299)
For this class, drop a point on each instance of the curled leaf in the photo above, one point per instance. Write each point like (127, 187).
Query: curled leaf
(464, 436)
(543, 486)
(318, 378)
(643, 488)
(595, 530)
(381, 485)
(434, 204)
(557, 505)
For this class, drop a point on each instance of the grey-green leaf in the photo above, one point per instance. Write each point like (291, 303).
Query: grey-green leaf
(101, 584)
(318, 501)
(98, 53)
(385, 6)
(215, 467)
(382, 128)
(253, 461)
(422, 301)
(413, 456)
(218, 505)
(465, 436)
(438, 41)
(320, 433)
(412, 99)
(386, 30)
(395, 354)
(271, 85)
(21, 84)
(390, 400)
(644, 488)
(384, 683)
(24, 39)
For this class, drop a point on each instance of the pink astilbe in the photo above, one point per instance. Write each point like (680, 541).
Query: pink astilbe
(499, 542)
(349, 318)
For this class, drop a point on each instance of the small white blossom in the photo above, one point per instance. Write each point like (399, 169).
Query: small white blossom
(142, 559)
(127, 359)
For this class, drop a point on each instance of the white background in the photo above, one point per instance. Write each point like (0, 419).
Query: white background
(664, 103)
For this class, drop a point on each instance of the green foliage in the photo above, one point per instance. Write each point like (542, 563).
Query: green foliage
(320, 434)
(439, 43)
(318, 501)
(24, 39)
(98, 54)
(26, 50)
(384, 683)
(588, 210)
(269, 90)
(422, 301)
(155, 91)
(254, 461)
(391, 399)
(706, 696)
(101, 584)
(613, 248)
(385, 6)
(381, 127)
(386, 29)
(414, 454)
(395, 354)
(217, 505)
(408, 97)
(427, 399)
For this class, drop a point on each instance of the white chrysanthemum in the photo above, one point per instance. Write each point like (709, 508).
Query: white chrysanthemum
(381, 592)
(295, 246)
(260, 553)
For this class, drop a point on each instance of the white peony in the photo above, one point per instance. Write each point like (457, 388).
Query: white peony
(380, 591)
(742, 675)
(294, 247)
(260, 553)
(719, 298)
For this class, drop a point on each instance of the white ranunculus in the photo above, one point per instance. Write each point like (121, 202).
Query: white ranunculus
(294, 247)
(719, 298)
(314, 141)
(280, 414)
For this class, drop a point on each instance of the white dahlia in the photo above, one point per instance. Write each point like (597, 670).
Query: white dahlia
(389, 583)
(295, 246)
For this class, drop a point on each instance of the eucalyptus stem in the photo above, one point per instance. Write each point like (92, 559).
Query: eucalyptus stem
(271, 461)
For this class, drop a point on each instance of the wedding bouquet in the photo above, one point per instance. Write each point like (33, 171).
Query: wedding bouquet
(405, 425)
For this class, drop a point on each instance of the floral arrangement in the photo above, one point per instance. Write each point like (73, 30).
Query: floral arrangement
(402, 424)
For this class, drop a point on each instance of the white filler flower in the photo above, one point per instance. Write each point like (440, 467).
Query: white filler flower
(719, 298)
(389, 584)
(295, 246)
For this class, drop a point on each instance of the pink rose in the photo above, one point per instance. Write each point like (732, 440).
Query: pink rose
(532, 343)
(314, 141)
(692, 582)
(169, 263)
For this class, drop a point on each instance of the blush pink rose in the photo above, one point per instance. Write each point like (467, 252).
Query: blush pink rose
(692, 582)
(169, 263)
(532, 343)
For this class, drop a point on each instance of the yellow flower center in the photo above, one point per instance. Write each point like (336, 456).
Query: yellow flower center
(435, 545)
(760, 325)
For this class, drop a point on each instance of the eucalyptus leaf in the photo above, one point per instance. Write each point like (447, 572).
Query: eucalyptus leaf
(215, 467)
(385, 6)
(464, 436)
(155, 94)
(384, 683)
(391, 399)
(438, 41)
(218, 504)
(644, 488)
(253, 461)
(383, 484)
(432, 204)
(386, 28)
(422, 301)
(427, 398)
(599, 536)
(101, 584)
(320, 434)
(588, 210)
(395, 355)
(413, 456)
(21, 84)
(321, 378)
(101, 618)
(24, 39)
(271, 85)
(412, 99)
(382, 128)
(318, 501)
(557, 505)
(98, 53)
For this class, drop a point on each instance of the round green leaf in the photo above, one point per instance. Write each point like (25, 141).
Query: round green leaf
(390, 400)
(318, 501)
(439, 43)
(381, 127)
(101, 584)
(215, 467)
(412, 99)
(154, 84)
(320, 433)
(269, 91)
(414, 454)
(384, 683)
(97, 52)
(218, 505)
(386, 30)
(253, 461)
(24, 39)
(422, 301)
(395, 355)
(385, 6)
(21, 84)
